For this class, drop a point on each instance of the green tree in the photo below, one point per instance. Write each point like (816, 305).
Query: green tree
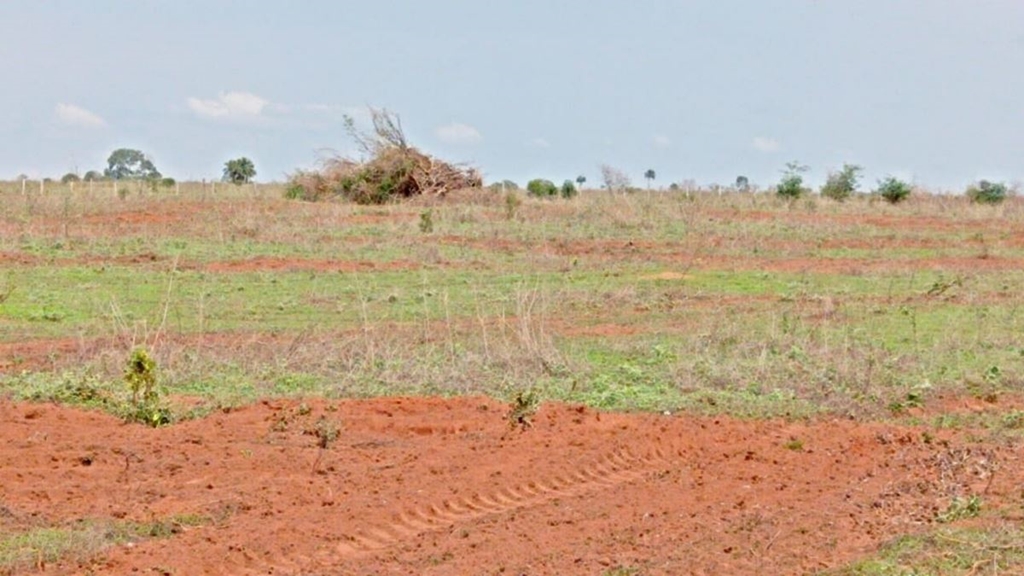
(129, 164)
(568, 189)
(239, 171)
(985, 192)
(580, 180)
(92, 176)
(650, 175)
(742, 183)
(541, 188)
(69, 177)
(791, 186)
(840, 185)
(893, 190)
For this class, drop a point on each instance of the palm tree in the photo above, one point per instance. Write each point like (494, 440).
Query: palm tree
(650, 175)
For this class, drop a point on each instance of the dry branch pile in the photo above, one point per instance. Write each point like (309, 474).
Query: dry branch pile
(393, 169)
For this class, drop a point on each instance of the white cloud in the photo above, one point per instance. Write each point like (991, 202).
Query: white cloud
(458, 133)
(765, 144)
(229, 105)
(72, 115)
(541, 143)
(662, 141)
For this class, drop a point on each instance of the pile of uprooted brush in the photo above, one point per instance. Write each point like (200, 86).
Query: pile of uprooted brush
(392, 169)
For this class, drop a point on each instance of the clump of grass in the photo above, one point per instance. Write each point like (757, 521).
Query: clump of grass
(512, 203)
(83, 540)
(523, 409)
(948, 551)
(960, 508)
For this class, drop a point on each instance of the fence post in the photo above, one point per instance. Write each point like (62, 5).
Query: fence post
(41, 187)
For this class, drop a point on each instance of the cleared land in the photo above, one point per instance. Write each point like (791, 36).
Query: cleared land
(732, 384)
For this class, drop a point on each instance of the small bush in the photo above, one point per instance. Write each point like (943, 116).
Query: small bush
(893, 190)
(541, 188)
(568, 189)
(92, 176)
(144, 406)
(69, 178)
(841, 185)
(791, 186)
(168, 182)
(985, 192)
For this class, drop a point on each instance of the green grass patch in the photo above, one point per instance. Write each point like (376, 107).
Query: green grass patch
(947, 551)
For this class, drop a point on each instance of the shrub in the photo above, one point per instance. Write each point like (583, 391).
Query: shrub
(92, 176)
(985, 192)
(568, 189)
(69, 178)
(140, 376)
(840, 185)
(541, 188)
(893, 190)
(168, 182)
(791, 186)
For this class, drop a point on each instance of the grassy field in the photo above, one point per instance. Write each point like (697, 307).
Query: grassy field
(742, 304)
(735, 304)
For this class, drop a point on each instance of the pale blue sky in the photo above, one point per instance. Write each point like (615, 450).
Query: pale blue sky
(705, 89)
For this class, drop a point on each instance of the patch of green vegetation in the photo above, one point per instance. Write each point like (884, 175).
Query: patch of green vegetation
(80, 541)
(947, 551)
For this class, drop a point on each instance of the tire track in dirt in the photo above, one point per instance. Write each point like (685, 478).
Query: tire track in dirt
(611, 469)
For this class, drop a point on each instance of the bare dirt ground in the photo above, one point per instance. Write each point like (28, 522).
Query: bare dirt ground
(431, 486)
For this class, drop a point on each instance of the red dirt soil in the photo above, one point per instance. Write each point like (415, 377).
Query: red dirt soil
(431, 486)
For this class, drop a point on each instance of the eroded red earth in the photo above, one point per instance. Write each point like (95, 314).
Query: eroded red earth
(432, 486)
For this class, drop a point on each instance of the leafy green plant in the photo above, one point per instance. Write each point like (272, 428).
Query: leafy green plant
(985, 192)
(541, 188)
(791, 186)
(69, 178)
(842, 184)
(144, 405)
(961, 508)
(893, 190)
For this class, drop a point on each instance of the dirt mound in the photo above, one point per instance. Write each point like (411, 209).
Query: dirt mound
(426, 486)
